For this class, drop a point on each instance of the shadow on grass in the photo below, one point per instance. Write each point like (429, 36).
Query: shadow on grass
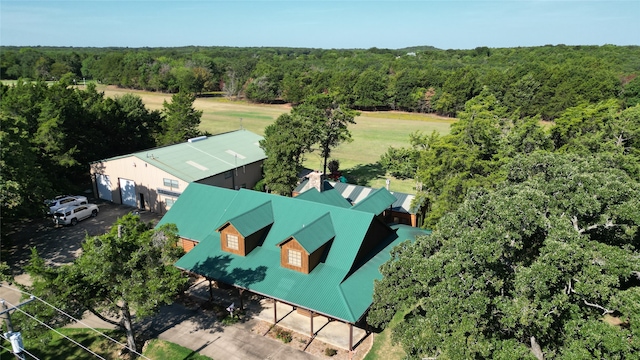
(363, 174)
(60, 348)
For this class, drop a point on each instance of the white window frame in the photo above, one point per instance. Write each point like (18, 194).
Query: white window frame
(294, 257)
(169, 202)
(233, 242)
(171, 183)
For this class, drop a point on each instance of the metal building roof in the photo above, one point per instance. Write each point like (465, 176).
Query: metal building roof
(311, 237)
(357, 193)
(329, 197)
(253, 220)
(323, 289)
(205, 156)
(376, 202)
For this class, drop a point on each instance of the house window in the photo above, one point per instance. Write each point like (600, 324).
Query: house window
(228, 174)
(170, 183)
(232, 242)
(295, 258)
(169, 202)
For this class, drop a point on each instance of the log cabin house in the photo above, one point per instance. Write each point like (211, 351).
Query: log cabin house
(318, 257)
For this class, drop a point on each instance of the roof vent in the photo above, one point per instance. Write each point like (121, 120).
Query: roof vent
(192, 140)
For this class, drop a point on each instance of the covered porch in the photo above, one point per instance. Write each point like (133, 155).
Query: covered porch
(317, 327)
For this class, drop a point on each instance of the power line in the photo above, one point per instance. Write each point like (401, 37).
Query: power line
(23, 350)
(78, 321)
(58, 332)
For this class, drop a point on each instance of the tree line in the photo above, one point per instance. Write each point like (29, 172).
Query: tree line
(528, 81)
(50, 134)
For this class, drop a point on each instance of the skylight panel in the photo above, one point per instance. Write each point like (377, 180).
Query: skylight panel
(196, 165)
(233, 153)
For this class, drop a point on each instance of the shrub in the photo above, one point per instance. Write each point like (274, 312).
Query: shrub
(330, 351)
(284, 335)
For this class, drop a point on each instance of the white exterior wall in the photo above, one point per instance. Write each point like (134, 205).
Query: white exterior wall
(148, 179)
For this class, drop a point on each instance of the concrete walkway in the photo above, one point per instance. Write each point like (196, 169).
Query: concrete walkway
(234, 342)
(333, 332)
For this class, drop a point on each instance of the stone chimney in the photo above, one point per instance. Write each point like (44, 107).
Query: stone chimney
(315, 180)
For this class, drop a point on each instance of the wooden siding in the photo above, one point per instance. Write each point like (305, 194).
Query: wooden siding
(284, 256)
(230, 230)
(187, 244)
(400, 217)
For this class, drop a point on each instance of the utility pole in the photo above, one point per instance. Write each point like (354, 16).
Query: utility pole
(15, 338)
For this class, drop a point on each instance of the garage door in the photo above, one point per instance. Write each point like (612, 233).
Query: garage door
(128, 192)
(104, 187)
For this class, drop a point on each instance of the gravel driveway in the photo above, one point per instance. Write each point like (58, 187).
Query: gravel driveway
(60, 244)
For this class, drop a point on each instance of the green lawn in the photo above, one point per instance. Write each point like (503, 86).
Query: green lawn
(164, 350)
(372, 134)
(383, 348)
(58, 347)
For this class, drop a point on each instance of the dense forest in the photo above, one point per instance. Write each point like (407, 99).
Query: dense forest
(527, 81)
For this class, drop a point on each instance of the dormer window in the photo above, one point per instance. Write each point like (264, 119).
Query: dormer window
(294, 258)
(243, 233)
(232, 242)
(307, 247)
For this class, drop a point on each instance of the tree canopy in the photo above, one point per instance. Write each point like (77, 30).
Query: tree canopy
(547, 264)
(180, 121)
(128, 270)
(529, 81)
(50, 133)
(320, 122)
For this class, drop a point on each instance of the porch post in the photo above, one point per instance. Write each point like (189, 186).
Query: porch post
(350, 337)
(311, 317)
(240, 291)
(275, 314)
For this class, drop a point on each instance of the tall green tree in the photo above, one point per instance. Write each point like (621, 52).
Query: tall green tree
(181, 119)
(545, 266)
(128, 270)
(332, 124)
(285, 143)
(450, 165)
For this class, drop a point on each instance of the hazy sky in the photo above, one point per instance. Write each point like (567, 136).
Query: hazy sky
(450, 24)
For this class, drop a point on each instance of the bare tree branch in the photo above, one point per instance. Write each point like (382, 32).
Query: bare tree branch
(574, 221)
(536, 350)
(605, 311)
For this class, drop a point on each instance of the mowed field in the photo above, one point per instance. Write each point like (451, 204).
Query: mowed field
(372, 134)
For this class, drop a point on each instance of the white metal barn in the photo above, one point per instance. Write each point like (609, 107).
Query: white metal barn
(153, 179)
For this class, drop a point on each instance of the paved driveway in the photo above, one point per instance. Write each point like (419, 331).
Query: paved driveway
(60, 244)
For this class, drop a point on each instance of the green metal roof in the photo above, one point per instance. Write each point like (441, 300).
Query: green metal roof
(311, 237)
(377, 202)
(193, 161)
(329, 197)
(323, 289)
(253, 220)
(356, 194)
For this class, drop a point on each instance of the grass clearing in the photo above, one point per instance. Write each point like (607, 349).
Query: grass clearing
(58, 347)
(61, 348)
(373, 133)
(383, 348)
(161, 350)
